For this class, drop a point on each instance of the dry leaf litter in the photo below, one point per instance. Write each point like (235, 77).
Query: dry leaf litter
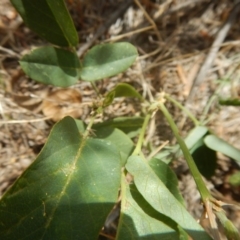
(173, 39)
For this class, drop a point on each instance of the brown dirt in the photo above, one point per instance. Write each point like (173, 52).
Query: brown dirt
(171, 52)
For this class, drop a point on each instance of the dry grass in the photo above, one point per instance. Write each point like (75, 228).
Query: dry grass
(173, 39)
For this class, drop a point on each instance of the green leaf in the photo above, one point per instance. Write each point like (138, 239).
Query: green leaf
(121, 90)
(160, 198)
(49, 19)
(195, 135)
(51, 65)
(107, 60)
(234, 179)
(129, 125)
(81, 126)
(111, 135)
(205, 159)
(169, 153)
(108, 99)
(126, 90)
(230, 230)
(167, 176)
(118, 138)
(182, 234)
(219, 145)
(138, 220)
(66, 193)
(230, 102)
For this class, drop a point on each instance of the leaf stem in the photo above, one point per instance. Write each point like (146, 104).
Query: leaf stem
(89, 126)
(138, 147)
(184, 109)
(204, 192)
(96, 89)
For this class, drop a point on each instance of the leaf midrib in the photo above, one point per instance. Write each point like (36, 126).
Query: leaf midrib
(110, 62)
(50, 217)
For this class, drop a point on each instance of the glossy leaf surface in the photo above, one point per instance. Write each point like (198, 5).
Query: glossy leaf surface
(66, 193)
(160, 198)
(51, 65)
(49, 19)
(107, 60)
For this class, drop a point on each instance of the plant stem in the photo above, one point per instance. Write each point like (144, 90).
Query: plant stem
(96, 89)
(138, 147)
(204, 192)
(89, 126)
(184, 109)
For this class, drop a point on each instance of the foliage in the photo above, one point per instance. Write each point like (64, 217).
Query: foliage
(72, 186)
(230, 102)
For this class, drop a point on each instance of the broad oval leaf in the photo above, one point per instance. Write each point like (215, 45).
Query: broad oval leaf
(160, 198)
(111, 135)
(167, 176)
(66, 193)
(138, 220)
(49, 19)
(219, 145)
(118, 138)
(51, 65)
(106, 60)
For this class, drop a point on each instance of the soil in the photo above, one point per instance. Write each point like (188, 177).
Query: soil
(173, 39)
